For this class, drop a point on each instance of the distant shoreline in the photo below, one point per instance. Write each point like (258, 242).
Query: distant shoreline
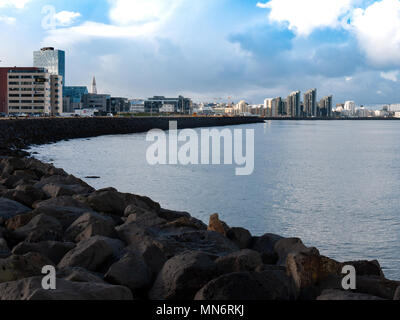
(331, 119)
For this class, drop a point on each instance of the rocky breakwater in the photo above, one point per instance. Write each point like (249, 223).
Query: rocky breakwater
(110, 245)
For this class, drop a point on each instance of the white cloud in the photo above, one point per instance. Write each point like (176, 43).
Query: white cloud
(304, 16)
(19, 4)
(65, 18)
(125, 12)
(391, 75)
(8, 20)
(378, 31)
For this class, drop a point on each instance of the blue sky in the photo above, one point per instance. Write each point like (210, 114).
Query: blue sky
(211, 49)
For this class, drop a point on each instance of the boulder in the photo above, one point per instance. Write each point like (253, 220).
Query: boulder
(397, 294)
(182, 276)
(146, 219)
(307, 268)
(131, 271)
(243, 260)
(185, 222)
(171, 215)
(241, 237)
(113, 202)
(19, 221)
(31, 289)
(59, 185)
(4, 249)
(217, 225)
(333, 294)
(269, 285)
(53, 250)
(42, 169)
(377, 286)
(89, 225)
(286, 246)
(76, 274)
(91, 254)
(66, 209)
(27, 195)
(366, 268)
(10, 208)
(12, 164)
(265, 245)
(40, 228)
(18, 267)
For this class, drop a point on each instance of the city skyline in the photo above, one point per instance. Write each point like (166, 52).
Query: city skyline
(215, 49)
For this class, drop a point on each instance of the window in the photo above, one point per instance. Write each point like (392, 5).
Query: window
(13, 95)
(13, 83)
(14, 101)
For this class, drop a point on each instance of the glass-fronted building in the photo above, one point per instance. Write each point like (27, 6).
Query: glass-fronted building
(51, 59)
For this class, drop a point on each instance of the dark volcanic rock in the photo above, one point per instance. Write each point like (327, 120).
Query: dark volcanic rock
(18, 267)
(76, 274)
(40, 228)
(397, 294)
(182, 276)
(90, 225)
(241, 237)
(340, 295)
(244, 260)
(290, 245)
(268, 285)
(266, 246)
(377, 286)
(9, 209)
(31, 289)
(19, 221)
(113, 202)
(131, 271)
(53, 250)
(91, 254)
(4, 249)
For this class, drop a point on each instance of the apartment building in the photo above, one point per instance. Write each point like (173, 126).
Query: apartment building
(30, 91)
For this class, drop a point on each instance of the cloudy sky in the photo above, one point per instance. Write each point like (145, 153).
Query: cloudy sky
(209, 49)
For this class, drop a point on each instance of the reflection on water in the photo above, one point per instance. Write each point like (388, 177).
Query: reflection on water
(333, 184)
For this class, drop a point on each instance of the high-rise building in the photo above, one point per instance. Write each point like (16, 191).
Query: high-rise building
(293, 104)
(310, 103)
(350, 106)
(51, 59)
(276, 107)
(325, 107)
(30, 90)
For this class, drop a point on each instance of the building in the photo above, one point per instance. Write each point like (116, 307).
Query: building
(276, 107)
(30, 90)
(73, 98)
(137, 106)
(350, 108)
(325, 107)
(241, 107)
(310, 103)
(119, 105)
(52, 60)
(181, 105)
(93, 89)
(101, 102)
(294, 104)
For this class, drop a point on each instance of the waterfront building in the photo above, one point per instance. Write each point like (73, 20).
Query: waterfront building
(101, 102)
(50, 59)
(325, 107)
(181, 105)
(276, 107)
(241, 107)
(30, 90)
(119, 105)
(294, 104)
(268, 107)
(73, 98)
(136, 106)
(310, 103)
(350, 107)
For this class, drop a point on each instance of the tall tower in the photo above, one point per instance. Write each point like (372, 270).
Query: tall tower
(94, 86)
(51, 59)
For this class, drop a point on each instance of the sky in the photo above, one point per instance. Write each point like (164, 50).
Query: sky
(214, 50)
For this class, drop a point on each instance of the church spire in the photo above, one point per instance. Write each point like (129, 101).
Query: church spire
(94, 86)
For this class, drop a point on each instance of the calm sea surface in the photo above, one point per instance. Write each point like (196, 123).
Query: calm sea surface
(334, 184)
